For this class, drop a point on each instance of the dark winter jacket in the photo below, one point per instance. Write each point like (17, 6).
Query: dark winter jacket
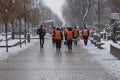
(41, 32)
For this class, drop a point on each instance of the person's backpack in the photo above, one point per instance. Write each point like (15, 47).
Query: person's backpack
(43, 32)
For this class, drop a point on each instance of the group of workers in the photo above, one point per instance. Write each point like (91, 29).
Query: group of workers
(70, 35)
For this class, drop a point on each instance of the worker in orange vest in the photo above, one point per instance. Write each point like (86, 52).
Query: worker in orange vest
(65, 32)
(76, 35)
(58, 38)
(52, 32)
(85, 35)
(69, 38)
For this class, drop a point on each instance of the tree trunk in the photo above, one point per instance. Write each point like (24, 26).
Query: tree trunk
(28, 33)
(6, 36)
(99, 22)
(86, 13)
(25, 31)
(20, 34)
(13, 35)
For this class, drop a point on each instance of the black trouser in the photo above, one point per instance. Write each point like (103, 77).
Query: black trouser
(69, 43)
(85, 39)
(58, 44)
(41, 41)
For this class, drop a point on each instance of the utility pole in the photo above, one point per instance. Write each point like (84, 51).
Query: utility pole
(6, 31)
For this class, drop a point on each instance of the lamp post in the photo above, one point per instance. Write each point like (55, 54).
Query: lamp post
(6, 31)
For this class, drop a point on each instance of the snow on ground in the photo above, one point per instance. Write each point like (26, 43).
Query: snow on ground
(104, 57)
(10, 42)
(119, 42)
(13, 50)
(116, 45)
(16, 49)
(3, 37)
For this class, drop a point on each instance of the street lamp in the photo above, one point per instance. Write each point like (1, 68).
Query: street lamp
(13, 1)
(6, 18)
(6, 10)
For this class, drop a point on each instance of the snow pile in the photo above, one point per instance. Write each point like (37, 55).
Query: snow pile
(10, 42)
(116, 45)
(104, 57)
(2, 37)
(119, 42)
(13, 50)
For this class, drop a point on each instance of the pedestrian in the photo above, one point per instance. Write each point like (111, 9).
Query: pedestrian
(76, 35)
(41, 32)
(85, 35)
(58, 38)
(69, 38)
(65, 32)
(52, 32)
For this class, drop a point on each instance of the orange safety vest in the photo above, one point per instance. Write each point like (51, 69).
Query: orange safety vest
(53, 32)
(85, 32)
(58, 35)
(65, 31)
(76, 32)
(69, 35)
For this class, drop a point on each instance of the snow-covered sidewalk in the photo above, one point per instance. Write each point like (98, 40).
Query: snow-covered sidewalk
(14, 50)
(104, 57)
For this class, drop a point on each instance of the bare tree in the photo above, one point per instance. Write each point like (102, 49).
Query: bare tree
(11, 10)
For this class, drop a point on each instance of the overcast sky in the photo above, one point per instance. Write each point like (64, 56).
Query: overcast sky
(56, 6)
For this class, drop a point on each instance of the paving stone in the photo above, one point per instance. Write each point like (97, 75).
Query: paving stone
(46, 64)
